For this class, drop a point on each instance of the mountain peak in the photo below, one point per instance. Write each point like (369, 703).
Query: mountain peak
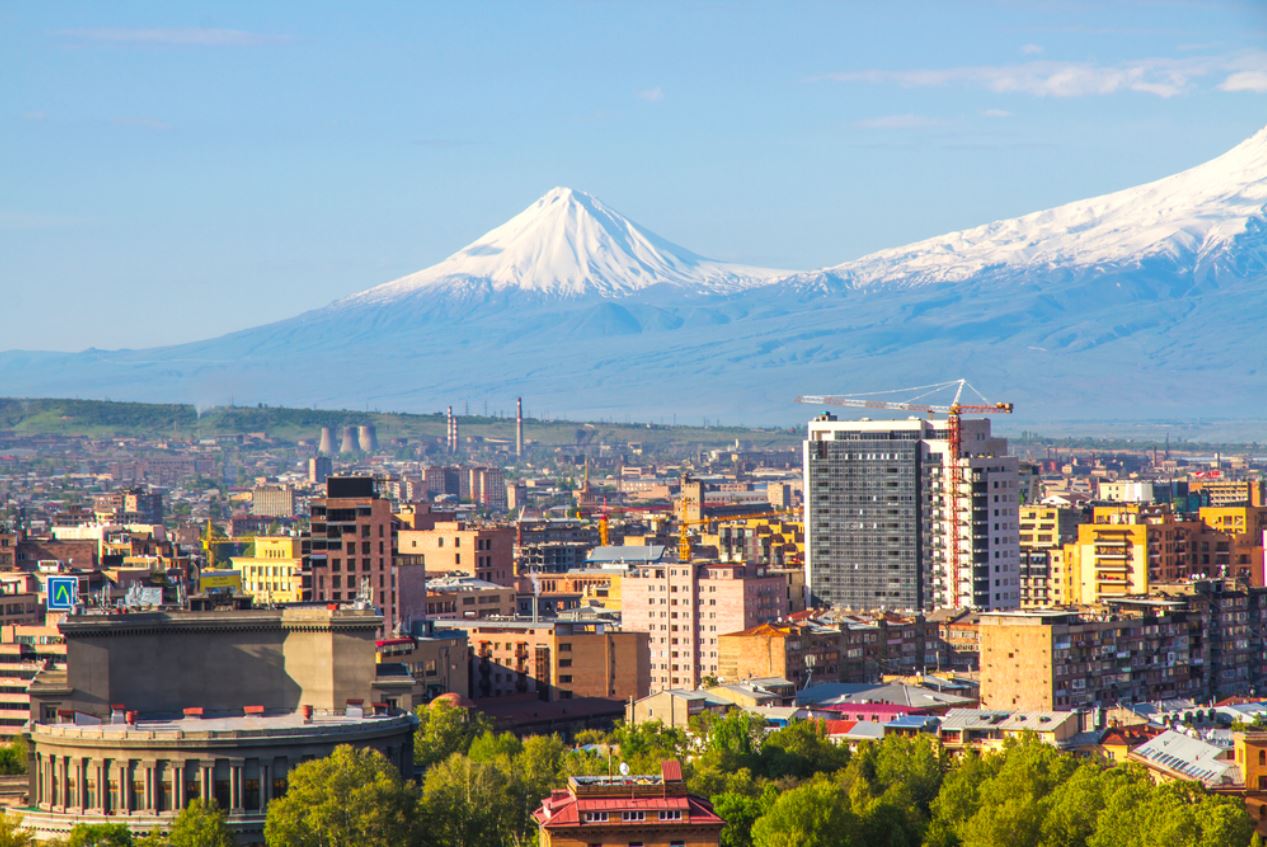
(1193, 217)
(568, 243)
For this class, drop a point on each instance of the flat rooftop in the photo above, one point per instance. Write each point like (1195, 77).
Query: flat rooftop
(236, 725)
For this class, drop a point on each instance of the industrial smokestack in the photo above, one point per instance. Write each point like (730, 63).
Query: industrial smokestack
(367, 438)
(326, 445)
(347, 444)
(518, 427)
(448, 429)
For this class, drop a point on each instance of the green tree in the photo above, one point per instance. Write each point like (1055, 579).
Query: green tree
(13, 756)
(740, 810)
(1075, 805)
(959, 797)
(100, 835)
(200, 825)
(471, 804)
(489, 746)
(800, 749)
(730, 741)
(815, 814)
(12, 834)
(351, 798)
(444, 729)
(645, 745)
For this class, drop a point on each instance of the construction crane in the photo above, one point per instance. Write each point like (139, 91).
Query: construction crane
(952, 411)
(605, 512)
(685, 524)
(212, 539)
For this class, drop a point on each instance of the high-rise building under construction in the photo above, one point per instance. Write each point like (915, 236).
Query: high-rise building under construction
(883, 528)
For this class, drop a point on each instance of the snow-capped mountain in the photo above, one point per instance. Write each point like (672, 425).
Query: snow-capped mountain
(570, 244)
(1129, 306)
(1191, 218)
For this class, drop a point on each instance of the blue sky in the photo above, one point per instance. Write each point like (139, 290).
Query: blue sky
(173, 171)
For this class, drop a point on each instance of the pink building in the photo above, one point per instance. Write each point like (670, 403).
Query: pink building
(685, 606)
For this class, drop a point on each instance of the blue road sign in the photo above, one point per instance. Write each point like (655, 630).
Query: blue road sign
(63, 593)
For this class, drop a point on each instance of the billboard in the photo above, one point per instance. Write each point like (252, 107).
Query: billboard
(221, 581)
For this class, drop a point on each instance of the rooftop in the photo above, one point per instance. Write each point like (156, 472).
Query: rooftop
(158, 727)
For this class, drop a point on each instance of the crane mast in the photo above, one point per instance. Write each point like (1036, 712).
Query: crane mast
(954, 441)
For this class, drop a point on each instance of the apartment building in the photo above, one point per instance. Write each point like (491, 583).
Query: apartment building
(1126, 548)
(1199, 639)
(555, 660)
(273, 501)
(1048, 660)
(885, 529)
(482, 551)
(686, 606)
(1044, 530)
(353, 544)
(799, 652)
(25, 650)
(466, 597)
(1228, 492)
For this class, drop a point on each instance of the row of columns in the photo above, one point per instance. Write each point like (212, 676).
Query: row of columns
(53, 777)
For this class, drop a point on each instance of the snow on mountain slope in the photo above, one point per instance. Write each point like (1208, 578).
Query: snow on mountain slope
(570, 244)
(1191, 218)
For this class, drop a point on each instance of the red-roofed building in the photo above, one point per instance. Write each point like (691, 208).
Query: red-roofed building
(617, 811)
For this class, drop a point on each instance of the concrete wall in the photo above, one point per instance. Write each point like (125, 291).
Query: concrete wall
(220, 660)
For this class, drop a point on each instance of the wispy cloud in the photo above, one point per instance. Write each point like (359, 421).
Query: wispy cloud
(1162, 78)
(651, 95)
(174, 37)
(907, 121)
(1031, 49)
(995, 113)
(1253, 81)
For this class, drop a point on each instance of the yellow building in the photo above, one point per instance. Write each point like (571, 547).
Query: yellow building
(1250, 749)
(1125, 549)
(1043, 531)
(1235, 520)
(274, 571)
(774, 541)
(1229, 492)
(1060, 580)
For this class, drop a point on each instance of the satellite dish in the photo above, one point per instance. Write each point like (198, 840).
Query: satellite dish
(624, 769)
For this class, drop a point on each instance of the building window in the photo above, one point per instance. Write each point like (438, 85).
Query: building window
(674, 815)
(633, 817)
(594, 817)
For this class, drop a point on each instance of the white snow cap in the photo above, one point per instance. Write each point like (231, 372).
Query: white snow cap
(568, 243)
(1192, 215)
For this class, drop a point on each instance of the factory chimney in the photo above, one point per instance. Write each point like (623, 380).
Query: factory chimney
(519, 427)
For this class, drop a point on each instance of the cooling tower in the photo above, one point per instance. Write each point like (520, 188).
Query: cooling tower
(367, 438)
(347, 444)
(326, 445)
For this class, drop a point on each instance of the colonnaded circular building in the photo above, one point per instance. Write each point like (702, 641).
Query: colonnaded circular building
(143, 773)
(156, 709)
